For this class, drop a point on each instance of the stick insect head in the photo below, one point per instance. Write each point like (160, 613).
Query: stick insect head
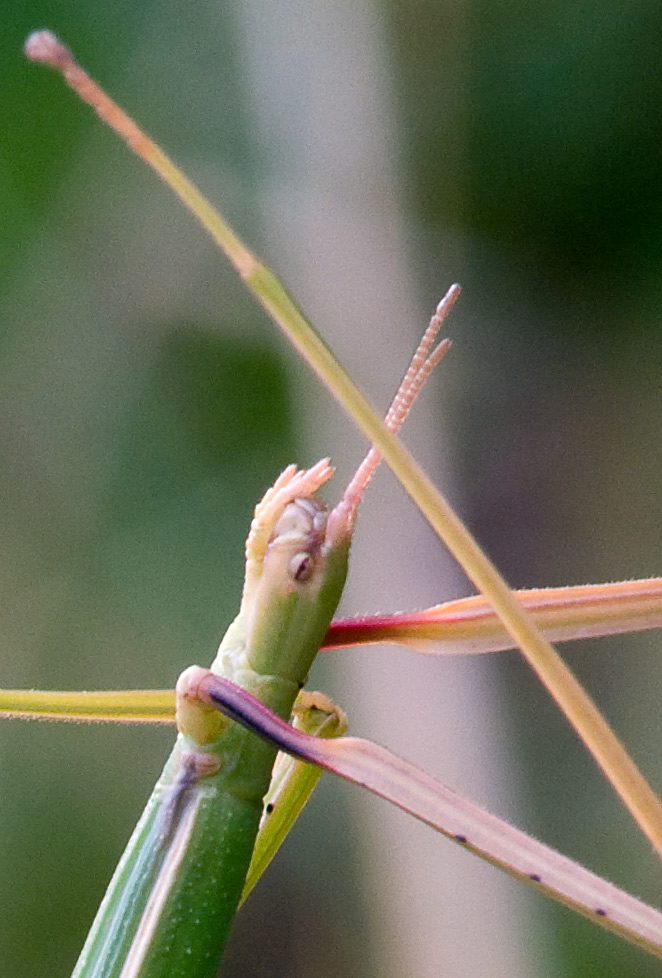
(293, 578)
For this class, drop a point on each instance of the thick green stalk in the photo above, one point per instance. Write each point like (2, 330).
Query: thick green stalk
(142, 930)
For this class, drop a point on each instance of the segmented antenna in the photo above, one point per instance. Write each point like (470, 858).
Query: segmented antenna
(422, 364)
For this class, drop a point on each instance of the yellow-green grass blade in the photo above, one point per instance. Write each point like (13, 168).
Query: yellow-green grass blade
(111, 706)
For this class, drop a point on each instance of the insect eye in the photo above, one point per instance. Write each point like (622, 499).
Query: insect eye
(301, 566)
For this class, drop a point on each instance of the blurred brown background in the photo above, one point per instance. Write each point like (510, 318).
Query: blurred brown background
(373, 153)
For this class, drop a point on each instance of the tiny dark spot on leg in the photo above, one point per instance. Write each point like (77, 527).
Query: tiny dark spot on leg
(600, 912)
(461, 838)
(534, 877)
(269, 808)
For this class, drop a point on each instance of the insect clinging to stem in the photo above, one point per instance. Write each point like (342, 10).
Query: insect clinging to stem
(147, 951)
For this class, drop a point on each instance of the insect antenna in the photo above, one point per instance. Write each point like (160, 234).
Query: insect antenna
(423, 362)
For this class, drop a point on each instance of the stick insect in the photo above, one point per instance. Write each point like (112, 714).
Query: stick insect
(602, 903)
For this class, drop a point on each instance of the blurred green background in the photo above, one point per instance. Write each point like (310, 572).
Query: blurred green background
(373, 153)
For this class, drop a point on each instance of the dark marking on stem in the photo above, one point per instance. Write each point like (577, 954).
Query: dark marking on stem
(269, 807)
(176, 800)
(461, 839)
(600, 912)
(534, 877)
